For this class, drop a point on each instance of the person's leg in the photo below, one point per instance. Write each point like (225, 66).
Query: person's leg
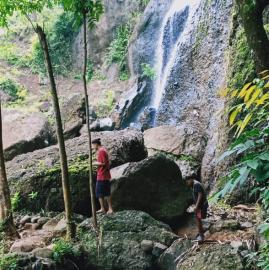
(102, 204)
(200, 226)
(110, 207)
(198, 218)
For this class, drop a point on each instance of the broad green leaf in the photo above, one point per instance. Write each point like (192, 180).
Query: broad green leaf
(249, 92)
(264, 156)
(233, 116)
(254, 97)
(253, 164)
(244, 89)
(244, 123)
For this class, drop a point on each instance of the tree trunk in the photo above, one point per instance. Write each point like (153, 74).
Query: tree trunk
(91, 184)
(251, 13)
(71, 230)
(6, 216)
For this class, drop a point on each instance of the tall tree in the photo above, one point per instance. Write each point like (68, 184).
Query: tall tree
(251, 13)
(89, 12)
(6, 216)
(26, 7)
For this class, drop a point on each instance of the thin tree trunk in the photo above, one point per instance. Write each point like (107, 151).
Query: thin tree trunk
(251, 13)
(91, 184)
(71, 230)
(6, 216)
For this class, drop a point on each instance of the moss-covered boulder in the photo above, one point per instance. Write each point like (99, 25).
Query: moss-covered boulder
(153, 185)
(120, 241)
(36, 176)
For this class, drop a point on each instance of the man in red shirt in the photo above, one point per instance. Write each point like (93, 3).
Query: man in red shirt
(103, 185)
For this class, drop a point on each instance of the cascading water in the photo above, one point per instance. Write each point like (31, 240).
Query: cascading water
(176, 28)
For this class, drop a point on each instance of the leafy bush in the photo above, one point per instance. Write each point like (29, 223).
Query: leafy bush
(15, 201)
(148, 71)
(248, 117)
(118, 48)
(12, 89)
(105, 106)
(60, 38)
(8, 262)
(63, 250)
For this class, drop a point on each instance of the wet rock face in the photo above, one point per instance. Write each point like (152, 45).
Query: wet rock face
(123, 241)
(198, 73)
(39, 172)
(144, 40)
(24, 132)
(153, 185)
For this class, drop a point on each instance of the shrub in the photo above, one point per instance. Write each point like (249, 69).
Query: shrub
(148, 71)
(9, 262)
(248, 117)
(105, 106)
(60, 38)
(63, 250)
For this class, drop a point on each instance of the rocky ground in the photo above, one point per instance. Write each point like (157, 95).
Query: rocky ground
(134, 240)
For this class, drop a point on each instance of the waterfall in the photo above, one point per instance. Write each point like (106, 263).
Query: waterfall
(175, 30)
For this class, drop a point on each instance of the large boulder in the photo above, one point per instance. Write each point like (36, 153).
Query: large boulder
(181, 255)
(39, 172)
(73, 115)
(153, 185)
(181, 143)
(24, 132)
(121, 245)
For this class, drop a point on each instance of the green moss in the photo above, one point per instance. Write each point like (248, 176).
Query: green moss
(9, 262)
(242, 63)
(181, 157)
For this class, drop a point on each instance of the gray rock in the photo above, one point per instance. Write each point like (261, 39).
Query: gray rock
(156, 178)
(129, 104)
(104, 124)
(43, 252)
(214, 257)
(147, 245)
(236, 244)
(168, 260)
(73, 115)
(224, 225)
(158, 249)
(40, 170)
(246, 225)
(42, 221)
(35, 219)
(18, 138)
(25, 219)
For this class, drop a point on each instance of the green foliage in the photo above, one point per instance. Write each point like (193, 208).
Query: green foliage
(63, 250)
(105, 106)
(242, 66)
(60, 38)
(9, 262)
(148, 71)
(249, 119)
(92, 9)
(9, 87)
(33, 195)
(118, 49)
(15, 201)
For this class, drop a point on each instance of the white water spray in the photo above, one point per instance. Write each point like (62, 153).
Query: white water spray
(171, 37)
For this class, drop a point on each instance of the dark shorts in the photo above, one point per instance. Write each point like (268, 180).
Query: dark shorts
(201, 213)
(103, 188)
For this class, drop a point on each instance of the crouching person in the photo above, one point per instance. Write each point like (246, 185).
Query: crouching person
(201, 204)
(103, 185)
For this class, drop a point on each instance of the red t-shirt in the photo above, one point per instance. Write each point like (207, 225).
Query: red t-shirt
(103, 172)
